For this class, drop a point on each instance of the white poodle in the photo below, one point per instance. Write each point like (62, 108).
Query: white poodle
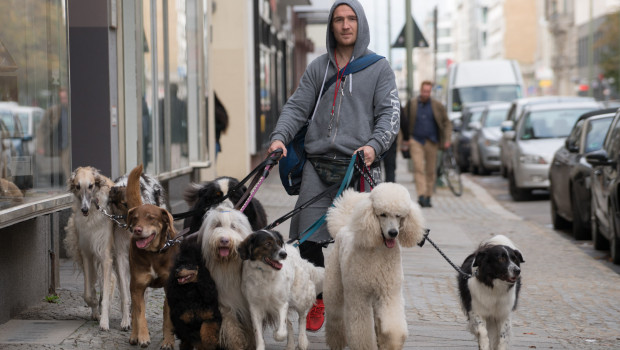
(363, 297)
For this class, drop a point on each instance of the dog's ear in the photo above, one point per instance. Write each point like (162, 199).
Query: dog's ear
(130, 219)
(168, 220)
(245, 248)
(519, 256)
(71, 180)
(365, 224)
(477, 258)
(413, 227)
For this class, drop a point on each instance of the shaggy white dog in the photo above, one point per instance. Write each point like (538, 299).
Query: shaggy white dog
(363, 275)
(220, 235)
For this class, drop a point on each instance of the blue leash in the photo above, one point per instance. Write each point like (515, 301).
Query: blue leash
(315, 226)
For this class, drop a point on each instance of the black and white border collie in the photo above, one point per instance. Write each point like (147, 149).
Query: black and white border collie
(205, 196)
(277, 279)
(491, 294)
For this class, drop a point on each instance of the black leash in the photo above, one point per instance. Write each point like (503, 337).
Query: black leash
(458, 269)
(295, 211)
(267, 161)
(364, 170)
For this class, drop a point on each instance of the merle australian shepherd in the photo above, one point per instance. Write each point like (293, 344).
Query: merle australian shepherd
(192, 297)
(205, 196)
(491, 293)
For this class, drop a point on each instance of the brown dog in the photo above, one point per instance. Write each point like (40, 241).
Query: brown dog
(151, 226)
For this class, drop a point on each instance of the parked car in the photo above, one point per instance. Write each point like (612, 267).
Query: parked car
(463, 132)
(605, 186)
(506, 144)
(485, 139)
(538, 134)
(570, 175)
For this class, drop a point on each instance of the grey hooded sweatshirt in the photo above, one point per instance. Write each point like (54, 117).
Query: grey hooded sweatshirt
(367, 108)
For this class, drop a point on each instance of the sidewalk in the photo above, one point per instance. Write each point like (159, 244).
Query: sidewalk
(568, 300)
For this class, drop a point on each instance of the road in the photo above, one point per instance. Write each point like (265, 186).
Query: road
(537, 209)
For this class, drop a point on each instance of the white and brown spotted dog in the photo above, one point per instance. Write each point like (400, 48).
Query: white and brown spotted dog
(490, 295)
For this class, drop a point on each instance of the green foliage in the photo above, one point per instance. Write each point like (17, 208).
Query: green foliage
(609, 42)
(53, 298)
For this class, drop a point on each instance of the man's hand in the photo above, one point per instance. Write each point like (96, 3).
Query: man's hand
(369, 154)
(275, 145)
(446, 145)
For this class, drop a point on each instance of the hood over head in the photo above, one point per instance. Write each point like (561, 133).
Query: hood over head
(363, 32)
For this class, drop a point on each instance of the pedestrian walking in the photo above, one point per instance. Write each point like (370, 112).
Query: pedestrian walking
(358, 112)
(429, 130)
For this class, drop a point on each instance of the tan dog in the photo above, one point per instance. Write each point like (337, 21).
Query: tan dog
(151, 226)
(89, 241)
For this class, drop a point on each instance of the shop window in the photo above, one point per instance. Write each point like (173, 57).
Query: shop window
(35, 152)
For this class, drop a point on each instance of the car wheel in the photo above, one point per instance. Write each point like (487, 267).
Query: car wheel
(580, 229)
(599, 242)
(516, 193)
(559, 223)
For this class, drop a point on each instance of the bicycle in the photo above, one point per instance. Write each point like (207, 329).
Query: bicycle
(450, 171)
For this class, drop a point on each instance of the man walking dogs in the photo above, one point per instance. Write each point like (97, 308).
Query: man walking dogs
(359, 111)
(430, 129)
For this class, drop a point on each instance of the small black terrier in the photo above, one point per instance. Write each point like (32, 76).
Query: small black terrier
(192, 297)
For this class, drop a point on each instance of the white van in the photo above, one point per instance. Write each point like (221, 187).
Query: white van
(476, 81)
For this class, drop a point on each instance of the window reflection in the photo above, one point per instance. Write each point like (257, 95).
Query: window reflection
(35, 155)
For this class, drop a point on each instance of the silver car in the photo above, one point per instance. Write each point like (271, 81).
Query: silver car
(506, 144)
(540, 131)
(485, 139)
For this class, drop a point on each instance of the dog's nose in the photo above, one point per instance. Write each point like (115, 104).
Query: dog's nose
(224, 241)
(84, 210)
(283, 254)
(137, 230)
(393, 232)
(517, 270)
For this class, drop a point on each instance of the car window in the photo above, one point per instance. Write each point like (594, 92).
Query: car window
(512, 112)
(575, 135)
(612, 142)
(494, 117)
(549, 123)
(595, 135)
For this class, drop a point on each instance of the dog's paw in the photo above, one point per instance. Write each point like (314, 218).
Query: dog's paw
(166, 346)
(104, 325)
(125, 325)
(94, 315)
(145, 343)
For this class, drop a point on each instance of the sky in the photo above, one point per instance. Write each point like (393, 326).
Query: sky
(376, 13)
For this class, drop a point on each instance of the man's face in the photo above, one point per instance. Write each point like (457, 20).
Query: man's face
(425, 92)
(344, 25)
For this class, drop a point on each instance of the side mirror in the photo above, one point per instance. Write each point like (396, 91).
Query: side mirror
(507, 125)
(475, 125)
(457, 124)
(509, 135)
(570, 146)
(599, 158)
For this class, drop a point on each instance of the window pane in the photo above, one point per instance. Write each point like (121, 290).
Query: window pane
(35, 152)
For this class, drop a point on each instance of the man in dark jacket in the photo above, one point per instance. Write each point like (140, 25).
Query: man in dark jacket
(429, 130)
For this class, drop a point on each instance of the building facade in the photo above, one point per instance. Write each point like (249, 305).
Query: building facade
(113, 84)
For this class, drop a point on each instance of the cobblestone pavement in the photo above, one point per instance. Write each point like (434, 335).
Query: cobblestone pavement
(568, 299)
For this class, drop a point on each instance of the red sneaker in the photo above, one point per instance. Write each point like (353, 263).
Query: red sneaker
(316, 316)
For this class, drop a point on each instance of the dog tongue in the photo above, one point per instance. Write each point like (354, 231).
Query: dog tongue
(224, 252)
(144, 242)
(390, 243)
